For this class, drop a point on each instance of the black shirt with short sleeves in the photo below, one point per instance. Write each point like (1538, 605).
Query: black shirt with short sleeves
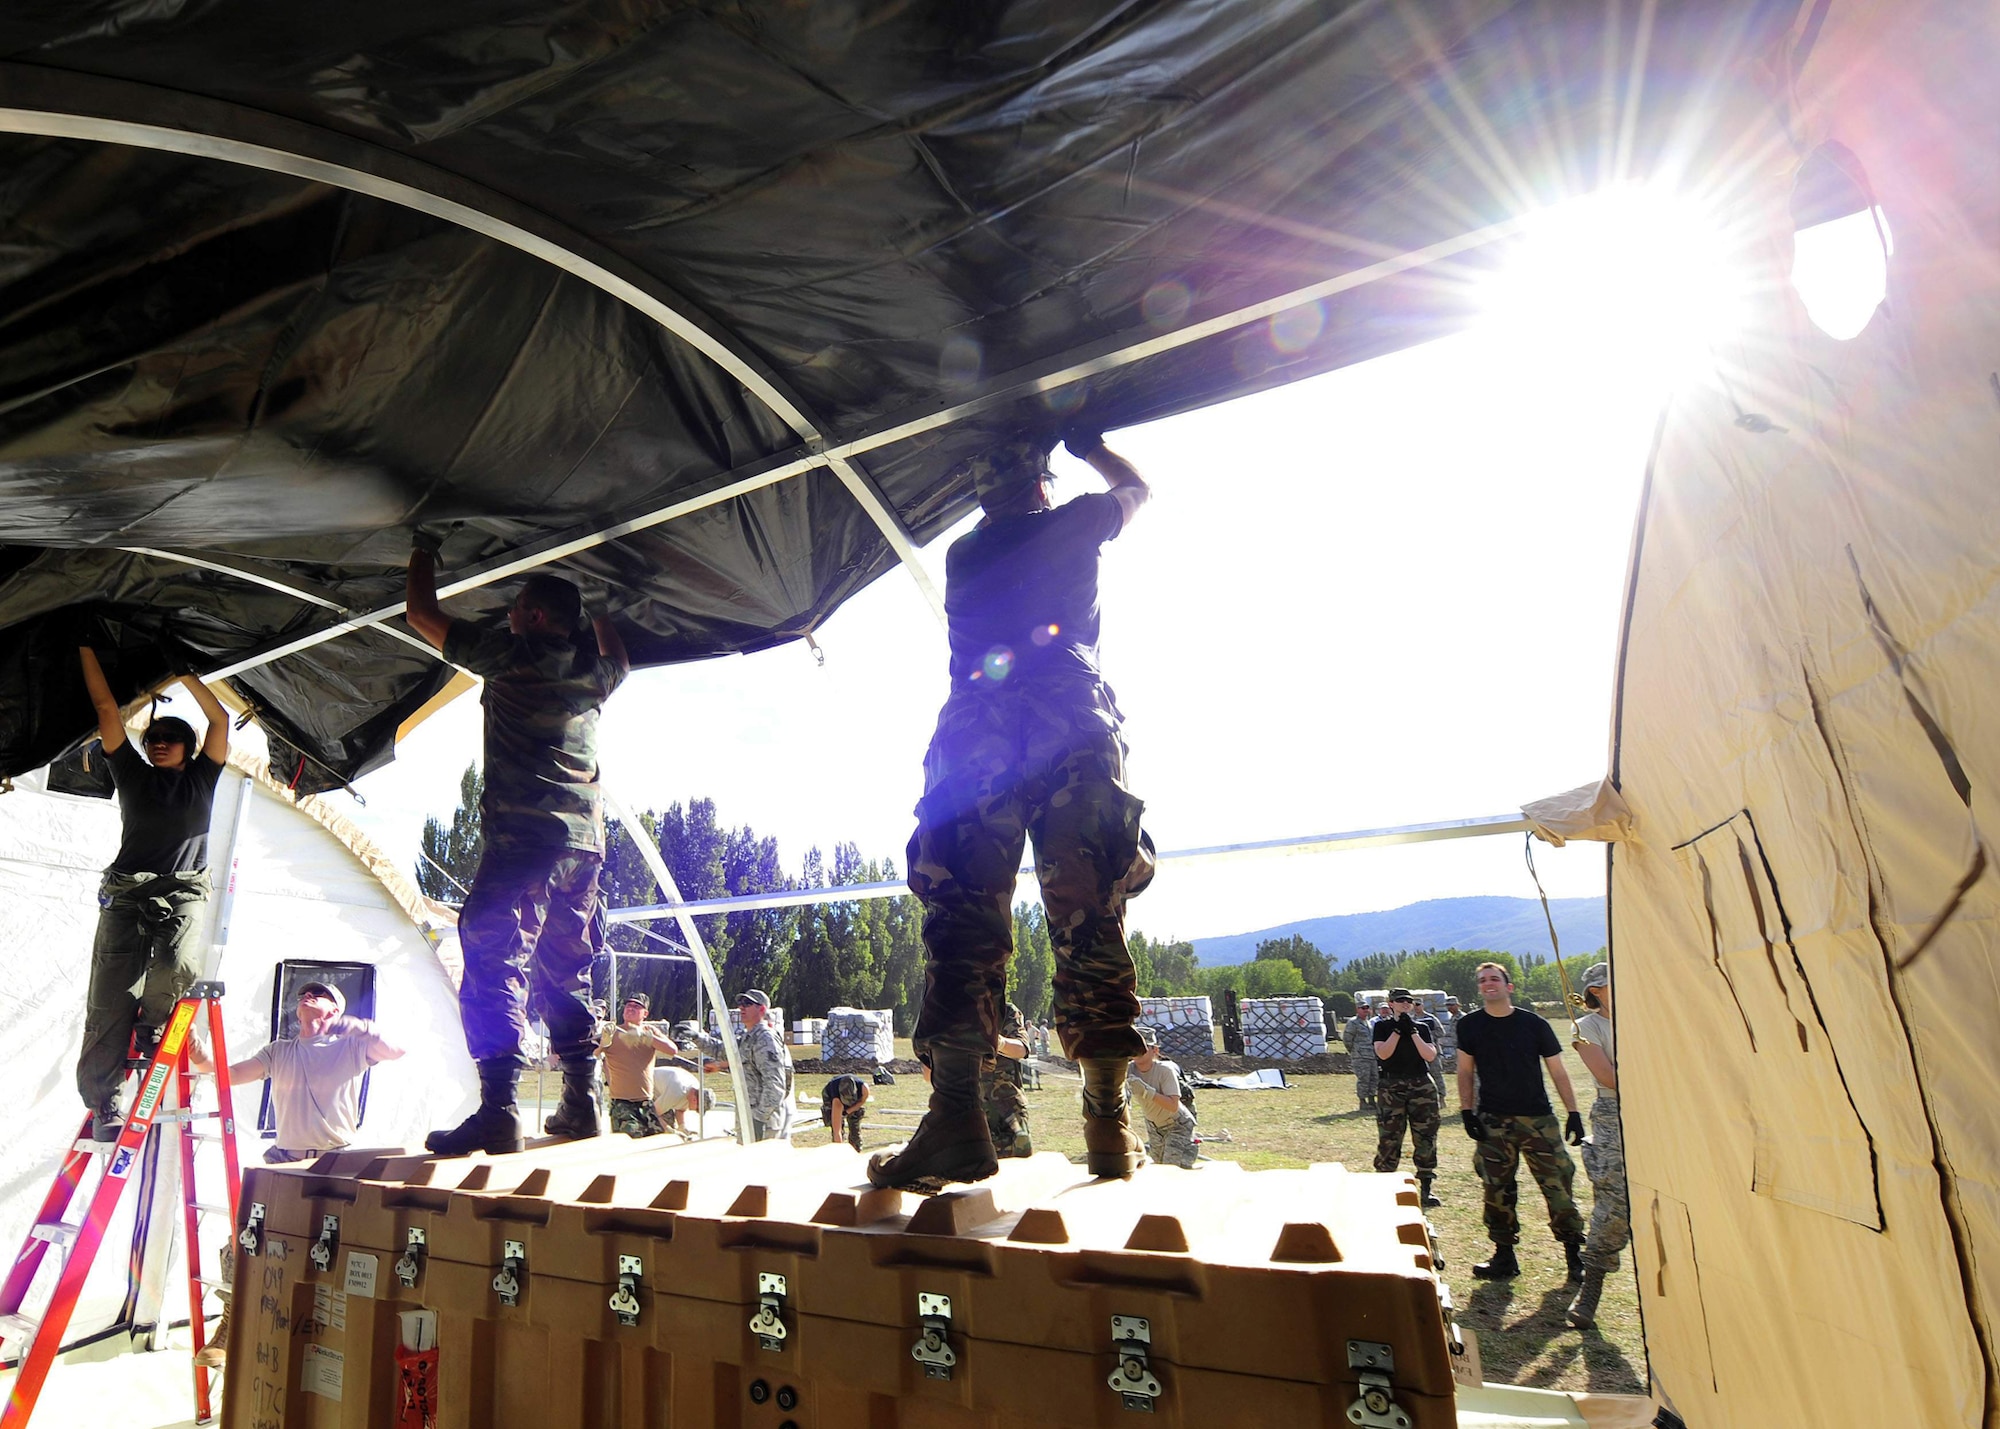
(847, 1089)
(1406, 1061)
(1020, 592)
(164, 813)
(1507, 1053)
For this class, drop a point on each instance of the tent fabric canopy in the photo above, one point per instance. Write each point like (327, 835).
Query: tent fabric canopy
(280, 284)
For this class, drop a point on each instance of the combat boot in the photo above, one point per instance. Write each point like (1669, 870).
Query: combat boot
(496, 1126)
(1582, 1312)
(1109, 1147)
(1573, 1260)
(1502, 1266)
(953, 1142)
(575, 1116)
(1426, 1197)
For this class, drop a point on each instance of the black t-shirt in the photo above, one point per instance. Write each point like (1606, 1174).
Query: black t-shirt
(847, 1089)
(164, 813)
(1406, 1061)
(1507, 1053)
(1020, 592)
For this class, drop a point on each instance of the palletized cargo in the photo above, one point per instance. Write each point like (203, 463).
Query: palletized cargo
(1185, 1024)
(1283, 1028)
(854, 1034)
(622, 1283)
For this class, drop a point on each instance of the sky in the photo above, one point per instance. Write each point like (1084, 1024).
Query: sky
(1385, 595)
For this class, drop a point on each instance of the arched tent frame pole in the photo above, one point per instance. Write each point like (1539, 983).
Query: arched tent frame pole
(704, 967)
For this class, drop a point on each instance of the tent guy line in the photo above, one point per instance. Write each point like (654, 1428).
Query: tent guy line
(1311, 843)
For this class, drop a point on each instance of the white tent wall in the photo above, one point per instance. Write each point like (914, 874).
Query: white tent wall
(308, 887)
(1811, 1127)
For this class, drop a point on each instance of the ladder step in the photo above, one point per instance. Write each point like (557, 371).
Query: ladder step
(208, 1210)
(183, 1115)
(54, 1232)
(18, 1327)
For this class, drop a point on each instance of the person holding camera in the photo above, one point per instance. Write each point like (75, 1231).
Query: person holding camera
(1406, 1050)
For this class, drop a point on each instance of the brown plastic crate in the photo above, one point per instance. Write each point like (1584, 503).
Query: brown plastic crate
(1251, 1286)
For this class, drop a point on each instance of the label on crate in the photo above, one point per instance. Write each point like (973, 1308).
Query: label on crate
(329, 1308)
(322, 1371)
(360, 1274)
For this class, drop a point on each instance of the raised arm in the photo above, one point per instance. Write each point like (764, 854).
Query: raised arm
(420, 602)
(610, 645)
(247, 1070)
(1127, 486)
(215, 743)
(110, 724)
(661, 1040)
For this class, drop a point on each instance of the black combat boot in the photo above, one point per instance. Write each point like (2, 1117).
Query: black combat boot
(1502, 1266)
(1109, 1147)
(1573, 1259)
(496, 1126)
(575, 1115)
(1426, 1197)
(953, 1142)
(1583, 1310)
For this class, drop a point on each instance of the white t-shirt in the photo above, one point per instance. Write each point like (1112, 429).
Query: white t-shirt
(316, 1088)
(671, 1086)
(1596, 1029)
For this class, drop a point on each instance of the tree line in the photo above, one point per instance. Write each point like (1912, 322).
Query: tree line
(869, 952)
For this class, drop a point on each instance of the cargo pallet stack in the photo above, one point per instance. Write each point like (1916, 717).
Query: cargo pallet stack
(808, 1030)
(858, 1035)
(1185, 1024)
(1282, 1029)
(621, 1282)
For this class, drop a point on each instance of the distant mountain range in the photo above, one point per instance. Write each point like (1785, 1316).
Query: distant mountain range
(1511, 925)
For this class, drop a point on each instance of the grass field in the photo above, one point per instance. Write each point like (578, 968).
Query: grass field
(1522, 1337)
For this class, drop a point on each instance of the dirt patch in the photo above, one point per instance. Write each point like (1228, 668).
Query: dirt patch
(816, 1067)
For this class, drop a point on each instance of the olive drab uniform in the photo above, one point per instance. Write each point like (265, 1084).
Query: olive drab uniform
(1000, 1094)
(525, 930)
(1519, 1125)
(1604, 1161)
(1027, 749)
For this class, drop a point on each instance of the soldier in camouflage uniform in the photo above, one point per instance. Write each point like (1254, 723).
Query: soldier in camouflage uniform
(767, 1070)
(1604, 1153)
(1405, 1047)
(1448, 1042)
(1027, 749)
(525, 929)
(1155, 1086)
(1000, 1089)
(1359, 1037)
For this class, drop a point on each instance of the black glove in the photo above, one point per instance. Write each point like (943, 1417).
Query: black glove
(1573, 1129)
(1082, 441)
(1405, 1025)
(1474, 1127)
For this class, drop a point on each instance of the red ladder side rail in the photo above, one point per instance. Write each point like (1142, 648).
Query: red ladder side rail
(190, 1201)
(55, 1206)
(124, 1157)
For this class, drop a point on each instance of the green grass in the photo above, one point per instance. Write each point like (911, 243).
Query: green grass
(1522, 1337)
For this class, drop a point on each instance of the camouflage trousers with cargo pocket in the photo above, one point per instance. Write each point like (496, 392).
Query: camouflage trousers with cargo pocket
(1036, 761)
(1510, 1140)
(1610, 1202)
(1400, 1102)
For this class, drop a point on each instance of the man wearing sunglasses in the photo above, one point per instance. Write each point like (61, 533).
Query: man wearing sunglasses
(1406, 1048)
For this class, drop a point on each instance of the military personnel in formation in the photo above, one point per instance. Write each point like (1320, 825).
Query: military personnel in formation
(629, 1051)
(1000, 1087)
(1359, 1037)
(1506, 1048)
(527, 921)
(1405, 1046)
(766, 1067)
(1448, 1042)
(1027, 740)
(1604, 1153)
(843, 1103)
(1155, 1085)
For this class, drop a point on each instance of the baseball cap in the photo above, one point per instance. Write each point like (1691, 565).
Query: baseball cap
(753, 996)
(645, 1002)
(1007, 465)
(325, 990)
(1596, 975)
(1147, 1034)
(1401, 994)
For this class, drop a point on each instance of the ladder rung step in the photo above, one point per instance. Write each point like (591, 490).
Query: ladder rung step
(209, 1210)
(54, 1232)
(18, 1327)
(181, 1115)
(94, 1148)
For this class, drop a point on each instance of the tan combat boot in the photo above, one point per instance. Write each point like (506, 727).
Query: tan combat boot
(1109, 1147)
(953, 1142)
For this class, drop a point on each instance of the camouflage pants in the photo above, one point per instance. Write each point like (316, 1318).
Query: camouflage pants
(850, 1127)
(1007, 1118)
(1367, 1072)
(1037, 761)
(1610, 1205)
(635, 1118)
(1537, 1140)
(525, 936)
(1173, 1145)
(146, 955)
(1400, 1102)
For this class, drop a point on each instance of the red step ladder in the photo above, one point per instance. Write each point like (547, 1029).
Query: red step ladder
(80, 1240)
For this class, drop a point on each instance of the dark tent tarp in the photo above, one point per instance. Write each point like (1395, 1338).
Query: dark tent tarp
(279, 283)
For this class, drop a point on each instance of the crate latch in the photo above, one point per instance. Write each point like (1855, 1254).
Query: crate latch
(625, 1300)
(933, 1348)
(321, 1253)
(513, 1270)
(410, 1264)
(1133, 1381)
(251, 1237)
(768, 1324)
(1373, 1364)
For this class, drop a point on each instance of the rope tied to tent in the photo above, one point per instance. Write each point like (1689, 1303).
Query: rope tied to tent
(1572, 1001)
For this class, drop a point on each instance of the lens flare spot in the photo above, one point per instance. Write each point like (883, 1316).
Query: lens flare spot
(961, 361)
(1065, 400)
(998, 664)
(1043, 634)
(1296, 329)
(1166, 302)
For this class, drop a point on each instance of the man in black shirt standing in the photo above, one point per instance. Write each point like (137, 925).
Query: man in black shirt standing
(1406, 1048)
(1508, 1046)
(1027, 746)
(147, 952)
